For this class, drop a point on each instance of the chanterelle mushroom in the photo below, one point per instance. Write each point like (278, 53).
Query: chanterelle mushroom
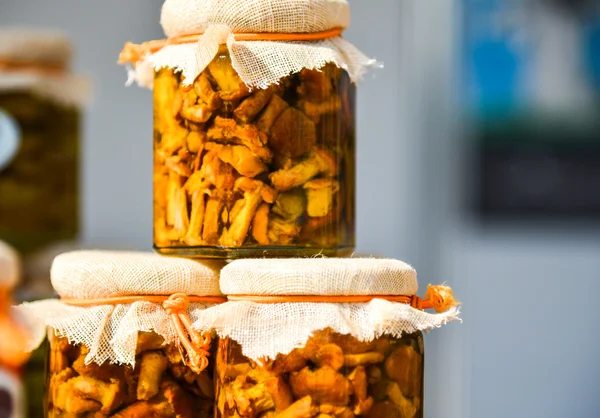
(194, 233)
(255, 192)
(212, 216)
(229, 131)
(205, 91)
(231, 86)
(251, 106)
(320, 196)
(282, 231)
(290, 205)
(271, 112)
(260, 224)
(293, 133)
(319, 161)
(242, 159)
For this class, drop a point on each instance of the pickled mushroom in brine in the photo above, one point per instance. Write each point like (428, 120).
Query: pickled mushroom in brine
(238, 167)
(333, 375)
(160, 385)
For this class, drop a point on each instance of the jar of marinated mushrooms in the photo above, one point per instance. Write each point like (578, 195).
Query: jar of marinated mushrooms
(40, 105)
(323, 337)
(13, 339)
(254, 127)
(120, 338)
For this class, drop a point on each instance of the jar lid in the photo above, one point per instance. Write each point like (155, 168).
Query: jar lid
(108, 297)
(182, 17)
(319, 276)
(29, 45)
(106, 274)
(10, 268)
(267, 40)
(266, 325)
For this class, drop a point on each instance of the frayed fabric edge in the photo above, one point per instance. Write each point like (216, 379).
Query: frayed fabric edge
(192, 59)
(377, 318)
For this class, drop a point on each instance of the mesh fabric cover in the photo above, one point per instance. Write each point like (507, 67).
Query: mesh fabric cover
(265, 330)
(183, 17)
(110, 331)
(319, 276)
(101, 274)
(258, 63)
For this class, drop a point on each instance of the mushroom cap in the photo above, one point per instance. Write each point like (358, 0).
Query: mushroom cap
(328, 161)
(322, 183)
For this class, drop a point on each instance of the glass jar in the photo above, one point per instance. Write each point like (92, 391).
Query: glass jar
(39, 184)
(14, 337)
(241, 173)
(160, 385)
(13, 343)
(39, 203)
(326, 337)
(332, 375)
(34, 381)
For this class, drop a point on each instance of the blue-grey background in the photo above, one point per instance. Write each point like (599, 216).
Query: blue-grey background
(529, 342)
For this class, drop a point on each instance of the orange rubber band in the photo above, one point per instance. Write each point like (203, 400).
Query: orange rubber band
(439, 298)
(319, 299)
(414, 301)
(195, 345)
(124, 300)
(132, 53)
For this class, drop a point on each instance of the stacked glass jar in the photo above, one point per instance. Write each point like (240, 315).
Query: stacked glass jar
(142, 335)
(120, 338)
(254, 156)
(254, 128)
(40, 112)
(337, 337)
(241, 172)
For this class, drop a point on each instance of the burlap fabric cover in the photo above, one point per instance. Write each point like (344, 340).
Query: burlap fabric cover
(265, 330)
(10, 266)
(110, 331)
(258, 63)
(43, 48)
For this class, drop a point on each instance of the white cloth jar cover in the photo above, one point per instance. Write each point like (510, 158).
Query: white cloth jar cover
(110, 330)
(258, 63)
(264, 330)
(28, 62)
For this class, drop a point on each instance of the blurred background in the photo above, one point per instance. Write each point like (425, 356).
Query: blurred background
(486, 119)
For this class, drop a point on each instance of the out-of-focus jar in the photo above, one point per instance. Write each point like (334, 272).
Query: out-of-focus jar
(13, 339)
(120, 337)
(40, 112)
(254, 132)
(323, 337)
(40, 106)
